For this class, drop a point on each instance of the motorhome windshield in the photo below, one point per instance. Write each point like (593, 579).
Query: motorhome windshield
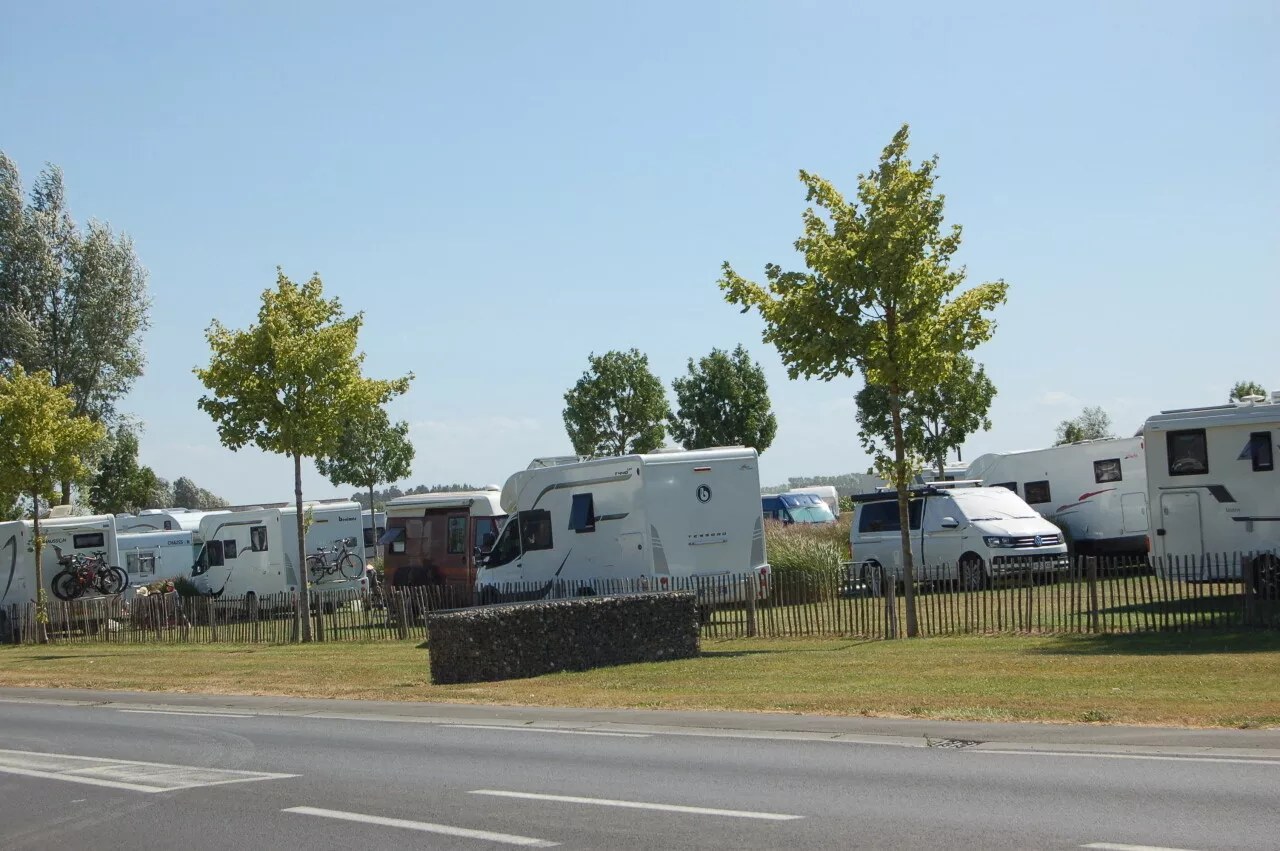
(812, 513)
(991, 504)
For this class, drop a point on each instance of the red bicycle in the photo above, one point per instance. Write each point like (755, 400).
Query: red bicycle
(81, 574)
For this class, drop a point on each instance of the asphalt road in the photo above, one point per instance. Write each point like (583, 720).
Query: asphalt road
(219, 774)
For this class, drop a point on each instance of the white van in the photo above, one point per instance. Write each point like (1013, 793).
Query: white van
(957, 532)
(665, 520)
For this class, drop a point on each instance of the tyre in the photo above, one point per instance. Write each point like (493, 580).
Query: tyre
(316, 569)
(973, 573)
(351, 566)
(66, 586)
(871, 578)
(1266, 577)
(112, 580)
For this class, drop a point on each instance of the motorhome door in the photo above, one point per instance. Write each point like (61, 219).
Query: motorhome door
(1180, 520)
(1133, 513)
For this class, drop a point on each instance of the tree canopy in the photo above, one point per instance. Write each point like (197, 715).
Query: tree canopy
(121, 485)
(1092, 424)
(371, 451)
(878, 297)
(1241, 389)
(723, 401)
(618, 407)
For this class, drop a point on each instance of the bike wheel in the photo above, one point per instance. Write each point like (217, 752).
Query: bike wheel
(112, 580)
(317, 569)
(351, 566)
(66, 586)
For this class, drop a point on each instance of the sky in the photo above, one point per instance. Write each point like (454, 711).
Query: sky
(503, 188)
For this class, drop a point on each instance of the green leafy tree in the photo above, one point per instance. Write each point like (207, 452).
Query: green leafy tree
(371, 451)
(723, 401)
(121, 486)
(936, 419)
(186, 493)
(1241, 389)
(161, 495)
(618, 407)
(285, 384)
(45, 443)
(1092, 424)
(878, 297)
(73, 302)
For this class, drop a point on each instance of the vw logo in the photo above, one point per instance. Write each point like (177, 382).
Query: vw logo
(1039, 542)
(704, 493)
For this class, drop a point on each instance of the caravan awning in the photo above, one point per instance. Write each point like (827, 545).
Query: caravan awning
(390, 535)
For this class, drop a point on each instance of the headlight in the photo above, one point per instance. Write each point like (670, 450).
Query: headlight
(999, 541)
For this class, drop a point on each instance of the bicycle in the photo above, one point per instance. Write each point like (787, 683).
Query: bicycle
(81, 573)
(348, 564)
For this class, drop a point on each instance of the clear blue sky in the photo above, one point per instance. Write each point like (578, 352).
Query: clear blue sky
(503, 188)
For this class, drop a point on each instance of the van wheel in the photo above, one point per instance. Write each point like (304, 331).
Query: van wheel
(1266, 577)
(973, 574)
(871, 577)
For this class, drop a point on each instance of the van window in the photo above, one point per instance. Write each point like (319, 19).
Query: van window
(456, 537)
(486, 532)
(883, 516)
(258, 539)
(535, 530)
(1107, 471)
(1260, 452)
(88, 541)
(582, 515)
(229, 549)
(1009, 486)
(507, 548)
(1188, 452)
(369, 537)
(1037, 492)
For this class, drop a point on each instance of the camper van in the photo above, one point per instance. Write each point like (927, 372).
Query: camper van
(797, 507)
(255, 551)
(433, 538)
(665, 519)
(1213, 489)
(1097, 489)
(148, 556)
(826, 493)
(375, 526)
(85, 535)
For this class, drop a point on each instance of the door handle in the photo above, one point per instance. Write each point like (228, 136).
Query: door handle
(1159, 531)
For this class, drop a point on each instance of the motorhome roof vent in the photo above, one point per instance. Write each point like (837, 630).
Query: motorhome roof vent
(1251, 400)
(493, 488)
(62, 511)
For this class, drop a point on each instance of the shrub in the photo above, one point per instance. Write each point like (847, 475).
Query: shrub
(806, 559)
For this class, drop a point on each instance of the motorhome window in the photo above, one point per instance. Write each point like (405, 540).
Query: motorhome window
(168, 525)
(258, 539)
(1107, 471)
(368, 537)
(1261, 452)
(140, 564)
(213, 551)
(535, 529)
(88, 541)
(1037, 492)
(229, 549)
(1009, 486)
(1188, 452)
(582, 514)
(456, 538)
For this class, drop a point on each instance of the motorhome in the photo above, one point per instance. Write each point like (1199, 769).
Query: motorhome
(166, 520)
(83, 535)
(1214, 490)
(1097, 489)
(375, 526)
(664, 519)
(255, 551)
(434, 538)
(17, 567)
(148, 556)
(827, 493)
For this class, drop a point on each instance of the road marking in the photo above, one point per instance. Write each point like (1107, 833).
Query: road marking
(122, 773)
(425, 827)
(547, 730)
(183, 712)
(639, 805)
(1116, 846)
(1155, 757)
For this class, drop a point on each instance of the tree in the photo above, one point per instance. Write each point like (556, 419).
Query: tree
(287, 384)
(121, 486)
(618, 407)
(72, 303)
(1092, 424)
(45, 443)
(186, 493)
(371, 451)
(876, 298)
(936, 419)
(161, 495)
(1241, 389)
(723, 401)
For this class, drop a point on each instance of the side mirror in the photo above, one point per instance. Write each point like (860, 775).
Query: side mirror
(950, 523)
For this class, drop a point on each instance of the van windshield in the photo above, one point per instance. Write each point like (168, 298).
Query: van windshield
(991, 504)
(812, 513)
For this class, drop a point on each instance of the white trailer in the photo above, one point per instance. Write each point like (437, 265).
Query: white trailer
(665, 520)
(1096, 488)
(255, 551)
(148, 556)
(1215, 492)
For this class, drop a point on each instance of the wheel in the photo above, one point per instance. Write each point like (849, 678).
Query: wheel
(871, 576)
(112, 580)
(973, 574)
(1266, 577)
(317, 569)
(66, 586)
(351, 566)
(489, 596)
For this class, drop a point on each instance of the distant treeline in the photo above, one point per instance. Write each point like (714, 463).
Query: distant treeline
(845, 485)
(382, 497)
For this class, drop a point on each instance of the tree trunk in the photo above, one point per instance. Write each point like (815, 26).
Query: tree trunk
(942, 468)
(904, 513)
(373, 524)
(42, 600)
(304, 590)
(66, 492)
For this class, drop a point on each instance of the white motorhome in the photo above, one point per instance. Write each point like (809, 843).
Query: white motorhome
(826, 493)
(255, 551)
(375, 526)
(1214, 490)
(166, 520)
(148, 556)
(1096, 488)
(83, 535)
(17, 567)
(668, 519)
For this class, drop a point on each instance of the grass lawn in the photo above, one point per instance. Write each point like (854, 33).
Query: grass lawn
(1205, 678)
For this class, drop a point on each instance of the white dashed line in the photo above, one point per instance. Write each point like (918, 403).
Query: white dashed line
(639, 805)
(1116, 846)
(182, 712)
(425, 827)
(546, 730)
